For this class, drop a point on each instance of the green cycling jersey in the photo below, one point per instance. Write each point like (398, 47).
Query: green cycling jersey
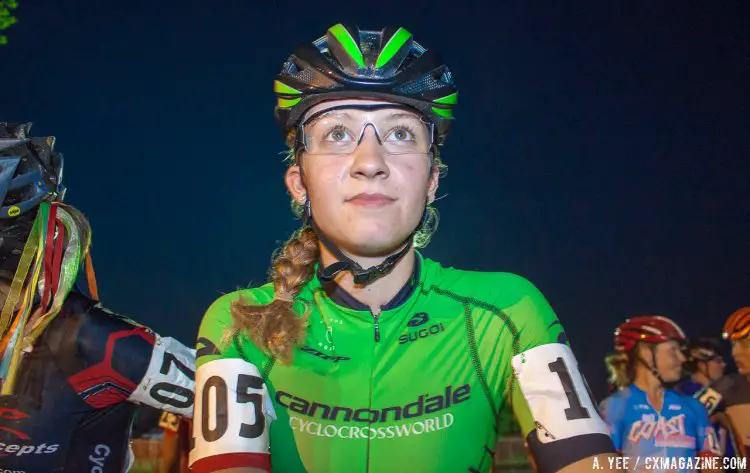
(424, 386)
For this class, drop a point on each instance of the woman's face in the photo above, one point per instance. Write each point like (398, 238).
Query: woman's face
(741, 355)
(669, 360)
(714, 368)
(368, 195)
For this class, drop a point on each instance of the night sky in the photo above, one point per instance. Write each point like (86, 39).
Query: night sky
(600, 152)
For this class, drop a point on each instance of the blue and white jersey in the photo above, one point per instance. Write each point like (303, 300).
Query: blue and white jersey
(638, 430)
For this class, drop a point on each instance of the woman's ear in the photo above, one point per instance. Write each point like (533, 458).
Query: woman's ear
(432, 185)
(295, 185)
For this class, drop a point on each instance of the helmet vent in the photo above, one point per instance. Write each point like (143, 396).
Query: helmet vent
(425, 83)
(369, 44)
(290, 68)
(313, 78)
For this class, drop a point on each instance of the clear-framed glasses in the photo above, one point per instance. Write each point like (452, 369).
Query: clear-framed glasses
(340, 130)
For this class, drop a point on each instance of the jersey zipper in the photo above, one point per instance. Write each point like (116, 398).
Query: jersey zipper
(376, 325)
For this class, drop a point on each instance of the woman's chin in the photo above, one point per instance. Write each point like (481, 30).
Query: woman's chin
(373, 246)
(371, 242)
(673, 378)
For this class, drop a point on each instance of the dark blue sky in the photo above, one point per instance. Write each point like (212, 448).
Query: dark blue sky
(600, 151)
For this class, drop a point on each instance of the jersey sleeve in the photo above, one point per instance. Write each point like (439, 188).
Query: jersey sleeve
(611, 410)
(233, 410)
(111, 359)
(707, 440)
(550, 396)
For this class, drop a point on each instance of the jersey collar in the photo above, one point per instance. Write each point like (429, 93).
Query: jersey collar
(340, 296)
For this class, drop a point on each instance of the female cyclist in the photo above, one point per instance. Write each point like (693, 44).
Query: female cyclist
(72, 372)
(655, 427)
(729, 396)
(705, 364)
(361, 355)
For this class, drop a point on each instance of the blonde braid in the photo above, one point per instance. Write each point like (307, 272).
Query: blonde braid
(276, 328)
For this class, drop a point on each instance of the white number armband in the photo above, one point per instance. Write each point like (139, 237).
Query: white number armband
(556, 393)
(233, 412)
(169, 381)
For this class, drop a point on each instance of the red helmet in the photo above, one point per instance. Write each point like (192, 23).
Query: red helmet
(647, 329)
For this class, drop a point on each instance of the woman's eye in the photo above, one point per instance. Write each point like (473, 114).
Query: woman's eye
(401, 135)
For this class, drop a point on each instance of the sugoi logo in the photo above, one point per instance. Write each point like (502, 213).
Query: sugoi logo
(419, 320)
(315, 352)
(101, 452)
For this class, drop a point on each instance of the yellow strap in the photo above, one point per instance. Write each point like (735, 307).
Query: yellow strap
(29, 251)
(28, 301)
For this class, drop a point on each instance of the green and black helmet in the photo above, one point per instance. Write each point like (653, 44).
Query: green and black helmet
(351, 63)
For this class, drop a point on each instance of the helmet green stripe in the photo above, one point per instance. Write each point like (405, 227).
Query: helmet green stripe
(350, 45)
(281, 88)
(443, 112)
(286, 103)
(392, 46)
(448, 99)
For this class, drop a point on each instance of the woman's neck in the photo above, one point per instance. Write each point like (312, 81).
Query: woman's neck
(647, 382)
(382, 290)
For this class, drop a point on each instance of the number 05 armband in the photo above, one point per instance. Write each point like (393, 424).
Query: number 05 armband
(567, 425)
(232, 416)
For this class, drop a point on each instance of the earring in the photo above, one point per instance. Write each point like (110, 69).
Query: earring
(308, 210)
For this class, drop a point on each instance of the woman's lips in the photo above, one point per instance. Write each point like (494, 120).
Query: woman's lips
(371, 200)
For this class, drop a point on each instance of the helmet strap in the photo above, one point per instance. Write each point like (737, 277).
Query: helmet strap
(344, 263)
(652, 366)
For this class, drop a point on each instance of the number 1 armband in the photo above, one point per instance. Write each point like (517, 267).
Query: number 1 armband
(556, 393)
